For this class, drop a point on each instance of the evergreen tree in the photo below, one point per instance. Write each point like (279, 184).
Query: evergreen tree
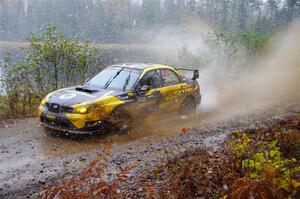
(150, 14)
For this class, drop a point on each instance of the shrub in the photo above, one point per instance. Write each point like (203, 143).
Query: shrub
(51, 61)
(267, 173)
(252, 42)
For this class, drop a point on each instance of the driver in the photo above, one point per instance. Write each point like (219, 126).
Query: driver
(150, 81)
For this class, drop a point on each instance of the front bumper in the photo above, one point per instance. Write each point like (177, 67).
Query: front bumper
(60, 122)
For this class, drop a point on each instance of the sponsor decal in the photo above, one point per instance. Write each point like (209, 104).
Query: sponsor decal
(67, 96)
(177, 94)
(142, 99)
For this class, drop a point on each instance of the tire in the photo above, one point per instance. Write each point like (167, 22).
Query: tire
(188, 107)
(121, 120)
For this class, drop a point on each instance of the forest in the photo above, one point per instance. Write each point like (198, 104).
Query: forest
(124, 21)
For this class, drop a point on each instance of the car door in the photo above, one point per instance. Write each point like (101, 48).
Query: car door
(147, 101)
(173, 90)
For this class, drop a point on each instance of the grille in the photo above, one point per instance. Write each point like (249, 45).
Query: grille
(57, 122)
(56, 108)
(66, 109)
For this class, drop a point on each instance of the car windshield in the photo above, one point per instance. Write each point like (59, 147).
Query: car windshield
(115, 78)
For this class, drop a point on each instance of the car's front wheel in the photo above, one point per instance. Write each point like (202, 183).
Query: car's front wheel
(121, 120)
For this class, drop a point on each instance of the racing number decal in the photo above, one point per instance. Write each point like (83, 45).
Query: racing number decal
(67, 96)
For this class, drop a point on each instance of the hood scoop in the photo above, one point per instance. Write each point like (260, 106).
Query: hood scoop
(85, 89)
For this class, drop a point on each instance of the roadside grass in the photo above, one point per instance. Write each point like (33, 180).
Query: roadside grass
(17, 107)
(255, 163)
(252, 164)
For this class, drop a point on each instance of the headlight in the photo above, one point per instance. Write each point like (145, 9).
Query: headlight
(84, 109)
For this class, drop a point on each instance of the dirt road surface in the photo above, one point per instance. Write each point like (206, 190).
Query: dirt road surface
(31, 158)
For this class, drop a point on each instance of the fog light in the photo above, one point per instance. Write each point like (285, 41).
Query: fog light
(92, 124)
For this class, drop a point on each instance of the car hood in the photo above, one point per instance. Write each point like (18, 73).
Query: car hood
(72, 96)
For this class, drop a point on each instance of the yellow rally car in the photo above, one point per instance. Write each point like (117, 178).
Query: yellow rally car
(119, 94)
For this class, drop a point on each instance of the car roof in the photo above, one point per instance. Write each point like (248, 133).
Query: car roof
(141, 66)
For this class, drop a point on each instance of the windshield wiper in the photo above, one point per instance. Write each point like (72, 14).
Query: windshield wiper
(127, 81)
(111, 79)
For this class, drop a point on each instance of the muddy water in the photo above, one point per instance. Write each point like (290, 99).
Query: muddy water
(29, 138)
(30, 156)
(27, 142)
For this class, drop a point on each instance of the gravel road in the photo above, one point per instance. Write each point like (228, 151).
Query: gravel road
(30, 158)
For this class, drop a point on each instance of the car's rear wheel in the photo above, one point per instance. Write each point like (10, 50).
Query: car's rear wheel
(188, 108)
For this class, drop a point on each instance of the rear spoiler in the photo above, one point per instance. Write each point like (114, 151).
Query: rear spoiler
(195, 71)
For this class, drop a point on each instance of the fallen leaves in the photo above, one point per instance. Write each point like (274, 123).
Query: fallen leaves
(192, 174)
(184, 130)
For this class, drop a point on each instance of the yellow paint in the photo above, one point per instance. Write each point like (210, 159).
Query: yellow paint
(40, 110)
(82, 110)
(105, 106)
(173, 95)
(43, 102)
(160, 66)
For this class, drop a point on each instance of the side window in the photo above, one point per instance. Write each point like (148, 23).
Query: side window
(152, 79)
(169, 77)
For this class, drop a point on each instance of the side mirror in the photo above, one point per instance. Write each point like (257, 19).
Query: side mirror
(196, 75)
(144, 88)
